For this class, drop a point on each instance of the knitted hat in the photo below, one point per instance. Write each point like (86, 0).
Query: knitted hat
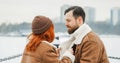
(40, 24)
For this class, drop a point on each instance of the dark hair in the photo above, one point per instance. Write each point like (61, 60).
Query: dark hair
(77, 11)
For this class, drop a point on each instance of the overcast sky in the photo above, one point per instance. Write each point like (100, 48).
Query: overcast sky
(17, 11)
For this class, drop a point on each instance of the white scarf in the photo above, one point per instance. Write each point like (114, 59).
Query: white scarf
(75, 38)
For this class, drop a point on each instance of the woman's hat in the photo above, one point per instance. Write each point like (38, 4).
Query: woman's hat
(40, 24)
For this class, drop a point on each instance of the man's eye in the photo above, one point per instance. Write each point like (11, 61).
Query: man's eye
(68, 20)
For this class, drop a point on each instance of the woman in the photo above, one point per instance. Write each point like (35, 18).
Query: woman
(39, 49)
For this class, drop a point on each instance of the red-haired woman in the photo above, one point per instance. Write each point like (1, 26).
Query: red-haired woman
(39, 49)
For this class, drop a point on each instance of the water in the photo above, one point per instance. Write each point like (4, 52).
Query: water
(112, 45)
(10, 46)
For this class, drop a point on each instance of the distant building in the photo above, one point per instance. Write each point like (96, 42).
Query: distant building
(90, 14)
(115, 16)
(63, 8)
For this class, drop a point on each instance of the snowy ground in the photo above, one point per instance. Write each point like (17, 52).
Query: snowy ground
(12, 46)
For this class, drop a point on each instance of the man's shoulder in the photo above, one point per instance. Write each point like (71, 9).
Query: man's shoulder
(91, 36)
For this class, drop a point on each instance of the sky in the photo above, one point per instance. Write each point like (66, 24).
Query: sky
(18, 11)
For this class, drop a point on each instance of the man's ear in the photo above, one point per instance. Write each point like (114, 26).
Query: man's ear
(79, 20)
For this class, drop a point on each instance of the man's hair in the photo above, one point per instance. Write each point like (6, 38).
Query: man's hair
(77, 11)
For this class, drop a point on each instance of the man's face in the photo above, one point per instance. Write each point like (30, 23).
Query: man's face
(71, 22)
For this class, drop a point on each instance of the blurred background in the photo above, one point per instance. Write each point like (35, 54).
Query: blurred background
(16, 16)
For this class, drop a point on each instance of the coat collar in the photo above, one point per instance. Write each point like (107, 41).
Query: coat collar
(80, 33)
(75, 38)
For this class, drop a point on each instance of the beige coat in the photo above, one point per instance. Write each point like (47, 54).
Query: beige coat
(91, 50)
(45, 53)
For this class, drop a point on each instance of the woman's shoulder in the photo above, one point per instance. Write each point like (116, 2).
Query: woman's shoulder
(48, 44)
(44, 46)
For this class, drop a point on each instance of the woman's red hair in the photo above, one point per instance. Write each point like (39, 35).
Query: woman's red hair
(35, 39)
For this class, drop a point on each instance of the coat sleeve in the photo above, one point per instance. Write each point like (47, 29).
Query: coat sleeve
(52, 56)
(90, 52)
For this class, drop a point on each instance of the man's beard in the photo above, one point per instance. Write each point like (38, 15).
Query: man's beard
(72, 30)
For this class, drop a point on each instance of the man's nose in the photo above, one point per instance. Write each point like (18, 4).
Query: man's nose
(66, 23)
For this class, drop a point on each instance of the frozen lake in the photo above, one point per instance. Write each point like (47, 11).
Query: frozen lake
(14, 46)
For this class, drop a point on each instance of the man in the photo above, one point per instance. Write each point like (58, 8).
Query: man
(89, 48)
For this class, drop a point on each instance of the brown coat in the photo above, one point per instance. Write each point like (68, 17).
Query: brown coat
(91, 50)
(45, 53)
